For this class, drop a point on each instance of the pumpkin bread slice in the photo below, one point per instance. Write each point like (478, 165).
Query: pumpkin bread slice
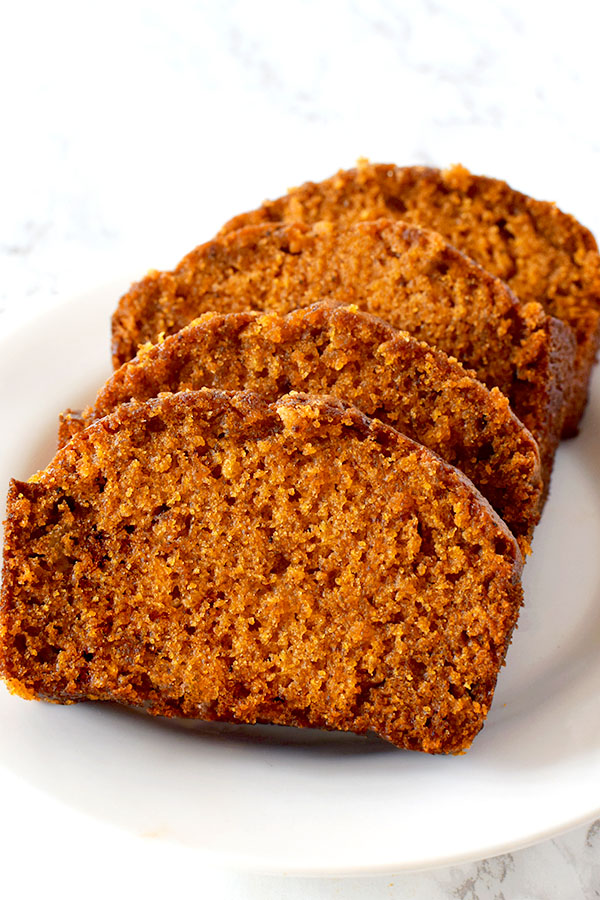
(211, 556)
(332, 349)
(542, 253)
(408, 276)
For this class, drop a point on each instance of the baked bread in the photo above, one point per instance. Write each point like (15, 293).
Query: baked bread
(409, 276)
(211, 556)
(542, 253)
(332, 349)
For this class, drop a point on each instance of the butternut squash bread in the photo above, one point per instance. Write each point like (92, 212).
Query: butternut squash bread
(332, 349)
(409, 276)
(542, 253)
(211, 556)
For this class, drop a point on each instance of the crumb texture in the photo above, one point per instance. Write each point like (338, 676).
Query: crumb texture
(408, 276)
(545, 255)
(333, 349)
(375, 590)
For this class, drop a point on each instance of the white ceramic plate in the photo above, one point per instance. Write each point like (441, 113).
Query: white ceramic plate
(286, 800)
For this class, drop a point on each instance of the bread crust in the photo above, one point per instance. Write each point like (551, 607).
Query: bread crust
(542, 253)
(209, 555)
(407, 275)
(338, 350)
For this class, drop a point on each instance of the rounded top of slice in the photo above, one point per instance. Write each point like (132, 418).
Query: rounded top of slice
(545, 255)
(211, 555)
(409, 276)
(334, 349)
(542, 252)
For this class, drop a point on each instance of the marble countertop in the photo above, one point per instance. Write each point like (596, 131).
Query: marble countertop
(133, 130)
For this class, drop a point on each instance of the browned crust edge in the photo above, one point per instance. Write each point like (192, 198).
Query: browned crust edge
(246, 412)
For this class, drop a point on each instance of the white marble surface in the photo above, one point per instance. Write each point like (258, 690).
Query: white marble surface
(132, 130)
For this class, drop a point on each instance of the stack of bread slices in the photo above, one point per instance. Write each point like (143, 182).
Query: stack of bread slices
(305, 495)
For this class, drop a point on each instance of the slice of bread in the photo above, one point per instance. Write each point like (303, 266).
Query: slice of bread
(332, 349)
(544, 254)
(409, 276)
(211, 556)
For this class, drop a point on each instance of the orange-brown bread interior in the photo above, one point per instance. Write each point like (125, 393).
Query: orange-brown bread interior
(542, 253)
(375, 589)
(332, 349)
(406, 275)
